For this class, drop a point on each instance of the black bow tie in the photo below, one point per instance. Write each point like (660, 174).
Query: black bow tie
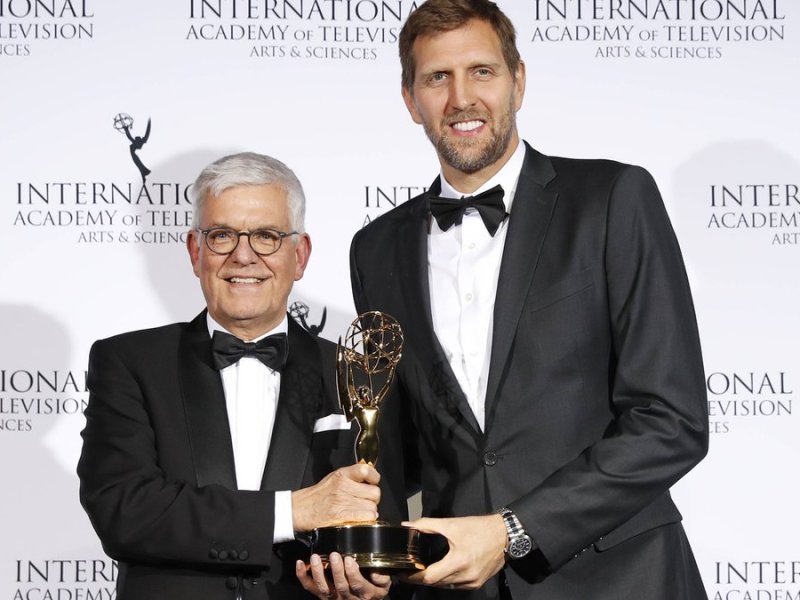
(227, 349)
(489, 204)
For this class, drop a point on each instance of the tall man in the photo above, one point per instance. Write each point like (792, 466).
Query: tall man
(210, 445)
(552, 358)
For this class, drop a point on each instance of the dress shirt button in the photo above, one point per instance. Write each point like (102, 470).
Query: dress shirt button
(468, 296)
(471, 246)
(249, 583)
(244, 555)
(223, 555)
(231, 583)
(490, 459)
(213, 554)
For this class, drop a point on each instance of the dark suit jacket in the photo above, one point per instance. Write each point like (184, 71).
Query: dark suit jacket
(157, 470)
(596, 399)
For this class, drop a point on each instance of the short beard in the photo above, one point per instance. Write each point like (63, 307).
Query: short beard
(452, 150)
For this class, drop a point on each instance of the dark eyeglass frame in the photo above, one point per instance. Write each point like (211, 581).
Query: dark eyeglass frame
(281, 235)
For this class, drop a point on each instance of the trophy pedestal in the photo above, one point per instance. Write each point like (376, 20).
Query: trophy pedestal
(374, 546)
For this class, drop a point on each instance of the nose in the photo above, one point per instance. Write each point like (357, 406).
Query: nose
(243, 253)
(462, 92)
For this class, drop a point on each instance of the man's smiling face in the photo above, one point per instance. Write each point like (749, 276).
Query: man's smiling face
(247, 293)
(466, 98)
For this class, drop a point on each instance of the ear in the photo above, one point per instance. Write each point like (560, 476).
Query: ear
(519, 85)
(192, 245)
(302, 252)
(408, 98)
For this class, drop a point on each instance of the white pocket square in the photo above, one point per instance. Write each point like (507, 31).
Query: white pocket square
(331, 422)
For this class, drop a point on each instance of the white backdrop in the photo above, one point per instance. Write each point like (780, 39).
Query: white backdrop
(703, 93)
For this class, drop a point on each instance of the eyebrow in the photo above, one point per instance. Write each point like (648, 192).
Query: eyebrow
(258, 228)
(474, 65)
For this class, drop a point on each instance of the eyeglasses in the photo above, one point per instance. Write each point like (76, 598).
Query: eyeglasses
(224, 240)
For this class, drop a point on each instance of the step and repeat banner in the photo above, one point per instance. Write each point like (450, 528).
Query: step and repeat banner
(109, 109)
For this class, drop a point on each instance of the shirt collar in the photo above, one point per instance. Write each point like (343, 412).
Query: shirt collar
(507, 177)
(283, 327)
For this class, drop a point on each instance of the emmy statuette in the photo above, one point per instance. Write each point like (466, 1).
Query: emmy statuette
(365, 366)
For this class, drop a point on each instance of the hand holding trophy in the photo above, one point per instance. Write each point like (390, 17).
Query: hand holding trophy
(365, 367)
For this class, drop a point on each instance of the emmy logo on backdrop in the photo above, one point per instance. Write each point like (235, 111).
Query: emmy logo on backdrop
(123, 123)
(365, 366)
(299, 312)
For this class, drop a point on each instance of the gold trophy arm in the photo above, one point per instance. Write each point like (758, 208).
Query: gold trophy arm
(387, 384)
(344, 382)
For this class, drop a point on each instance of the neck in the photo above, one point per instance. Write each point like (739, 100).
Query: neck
(247, 331)
(247, 335)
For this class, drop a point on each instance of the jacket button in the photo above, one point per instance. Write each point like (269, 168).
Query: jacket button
(213, 554)
(490, 459)
(244, 555)
(233, 555)
(223, 555)
(231, 583)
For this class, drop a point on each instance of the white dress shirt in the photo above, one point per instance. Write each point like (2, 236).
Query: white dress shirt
(463, 270)
(251, 397)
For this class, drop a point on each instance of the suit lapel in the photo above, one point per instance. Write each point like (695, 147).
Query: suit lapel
(530, 217)
(206, 412)
(412, 253)
(299, 404)
(413, 259)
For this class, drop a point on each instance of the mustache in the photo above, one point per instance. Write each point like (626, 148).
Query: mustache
(466, 115)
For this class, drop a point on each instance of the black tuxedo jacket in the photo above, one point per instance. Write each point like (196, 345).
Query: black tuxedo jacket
(596, 398)
(157, 470)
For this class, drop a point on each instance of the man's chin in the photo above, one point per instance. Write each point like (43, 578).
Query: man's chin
(466, 164)
(467, 158)
(245, 314)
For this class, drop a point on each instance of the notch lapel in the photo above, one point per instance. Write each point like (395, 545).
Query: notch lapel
(300, 402)
(206, 413)
(530, 217)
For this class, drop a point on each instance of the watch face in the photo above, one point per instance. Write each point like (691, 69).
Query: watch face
(519, 546)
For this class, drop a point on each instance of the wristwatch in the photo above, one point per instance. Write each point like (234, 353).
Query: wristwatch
(519, 543)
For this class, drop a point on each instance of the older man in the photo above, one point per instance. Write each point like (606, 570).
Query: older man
(210, 445)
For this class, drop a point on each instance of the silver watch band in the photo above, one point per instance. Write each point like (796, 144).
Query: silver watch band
(518, 542)
(513, 524)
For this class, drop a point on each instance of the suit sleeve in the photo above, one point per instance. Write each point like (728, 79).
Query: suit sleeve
(141, 514)
(656, 387)
(359, 298)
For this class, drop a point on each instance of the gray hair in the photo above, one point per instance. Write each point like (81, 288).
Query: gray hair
(249, 168)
